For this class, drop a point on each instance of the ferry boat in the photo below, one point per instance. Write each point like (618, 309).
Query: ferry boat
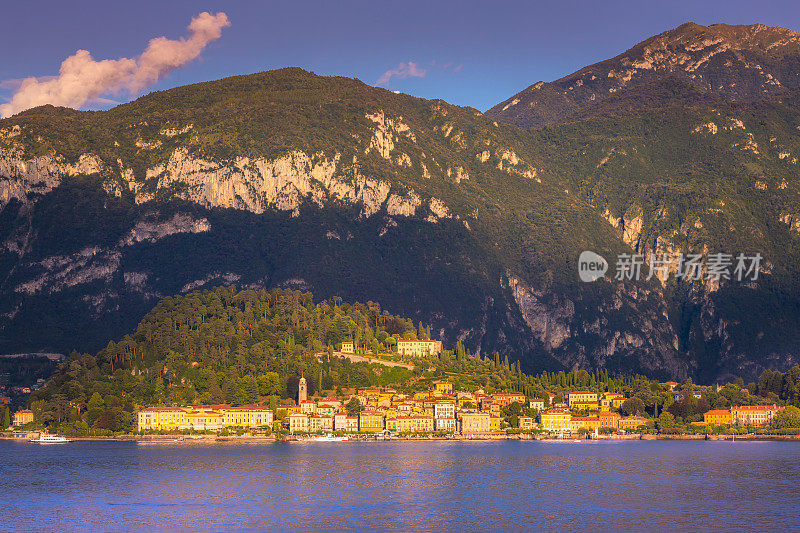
(47, 438)
(329, 438)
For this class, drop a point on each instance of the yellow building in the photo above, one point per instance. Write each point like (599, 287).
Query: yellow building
(247, 416)
(423, 424)
(419, 348)
(589, 423)
(411, 424)
(370, 421)
(718, 417)
(556, 420)
(399, 424)
(494, 423)
(479, 422)
(161, 418)
(581, 396)
(632, 423)
(204, 420)
(22, 417)
(754, 415)
(442, 387)
(348, 347)
(584, 406)
(611, 400)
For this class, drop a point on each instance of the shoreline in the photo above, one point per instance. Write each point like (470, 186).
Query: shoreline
(178, 439)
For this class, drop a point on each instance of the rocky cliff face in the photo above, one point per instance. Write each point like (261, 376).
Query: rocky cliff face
(443, 215)
(740, 63)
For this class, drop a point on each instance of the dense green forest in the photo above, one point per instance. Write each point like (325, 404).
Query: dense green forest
(222, 346)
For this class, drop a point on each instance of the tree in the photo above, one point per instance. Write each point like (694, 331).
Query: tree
(665, 421)
(95, 408)
(6, 418)
(632, 406)
(354, 407)
(788, 417)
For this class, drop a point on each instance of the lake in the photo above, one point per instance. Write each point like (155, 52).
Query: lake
(402, 486)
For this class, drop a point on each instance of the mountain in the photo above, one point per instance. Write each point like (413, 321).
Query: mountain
(287, 179)
(471, 226)
(737, 63)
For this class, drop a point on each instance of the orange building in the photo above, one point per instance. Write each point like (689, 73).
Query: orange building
(22, 417)
(718, 417)
(609, 419)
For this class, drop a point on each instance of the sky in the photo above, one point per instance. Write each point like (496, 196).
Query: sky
(467, 53)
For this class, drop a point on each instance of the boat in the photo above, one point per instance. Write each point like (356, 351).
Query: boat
(47, 438)
(329, 438)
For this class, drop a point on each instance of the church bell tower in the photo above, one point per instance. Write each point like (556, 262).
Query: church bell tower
(302, 393)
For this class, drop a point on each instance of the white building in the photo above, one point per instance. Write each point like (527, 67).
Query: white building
(444, 410)
(419, 348)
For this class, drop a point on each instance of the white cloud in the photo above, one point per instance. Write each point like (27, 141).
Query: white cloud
(83, 80)
(402, 71)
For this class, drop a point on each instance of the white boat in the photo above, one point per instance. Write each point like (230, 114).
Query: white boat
(329, 438)
(47, 438)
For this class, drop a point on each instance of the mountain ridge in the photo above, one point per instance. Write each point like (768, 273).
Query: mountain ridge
(287, 179)
(738, 62)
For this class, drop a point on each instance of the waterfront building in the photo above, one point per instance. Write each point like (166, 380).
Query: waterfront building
(422, 424)
(632, 423)
(609, 419)
(718, 417)
(444, 409)
(320, 423)
(203, 420)
(340, 422)
(589, 423)
(370, 421)
(348, 347)
(298, 423)
(22, 417)
(475, 422)
(755, 415)
(161, 418)
(445, 424)
(556, 419)
(351, 423)
(247, 416)
(423, 348)
(526, 423)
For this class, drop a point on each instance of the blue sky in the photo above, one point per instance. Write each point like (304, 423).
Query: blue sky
(472, 53)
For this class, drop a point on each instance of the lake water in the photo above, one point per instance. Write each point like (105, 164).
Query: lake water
(407, 486)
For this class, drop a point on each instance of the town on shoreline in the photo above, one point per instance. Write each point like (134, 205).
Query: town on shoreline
(436, 394)
(439, 412)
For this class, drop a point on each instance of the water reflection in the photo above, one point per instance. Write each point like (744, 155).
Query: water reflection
(445, 486)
